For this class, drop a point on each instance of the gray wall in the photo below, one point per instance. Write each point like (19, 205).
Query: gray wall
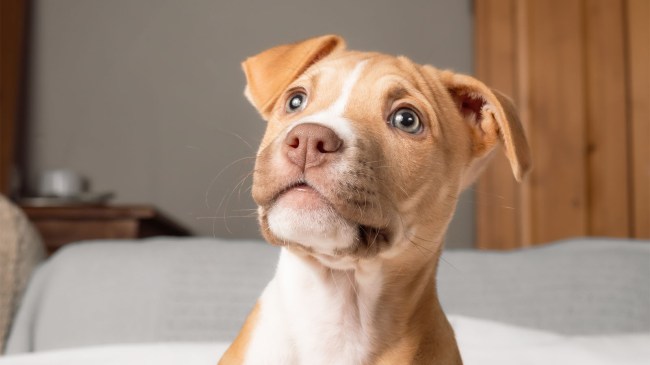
(145, 96)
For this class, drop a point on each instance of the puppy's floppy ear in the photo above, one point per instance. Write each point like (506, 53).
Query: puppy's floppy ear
(493, 118)
(270, 72)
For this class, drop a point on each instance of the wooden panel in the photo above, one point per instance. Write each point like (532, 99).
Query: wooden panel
(558, 193)
(90, 211)
(497, 192)
(638, 21)
(66, 224)
(582, 81)
(59, 232)
(12, 22)
(607, 133)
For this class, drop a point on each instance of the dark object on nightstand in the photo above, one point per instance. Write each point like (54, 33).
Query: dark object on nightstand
(61, 225)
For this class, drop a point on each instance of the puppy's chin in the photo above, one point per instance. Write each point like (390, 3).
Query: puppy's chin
(310, 222)
(322, 231)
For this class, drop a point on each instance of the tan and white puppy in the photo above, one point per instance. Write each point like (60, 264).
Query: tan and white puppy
(357, 178)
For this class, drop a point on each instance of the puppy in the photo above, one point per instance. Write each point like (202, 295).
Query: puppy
(357, 178)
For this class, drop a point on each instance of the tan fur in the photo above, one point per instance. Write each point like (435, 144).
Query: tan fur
(237, 350)
(405, 185)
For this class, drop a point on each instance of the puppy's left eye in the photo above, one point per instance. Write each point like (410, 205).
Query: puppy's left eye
(296, 102)
(407, 120)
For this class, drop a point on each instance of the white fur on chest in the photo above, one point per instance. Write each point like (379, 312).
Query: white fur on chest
(312, 315)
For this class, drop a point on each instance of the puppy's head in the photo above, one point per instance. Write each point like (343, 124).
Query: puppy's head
(365, 154)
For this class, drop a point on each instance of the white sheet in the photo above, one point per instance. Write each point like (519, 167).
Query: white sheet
(129, 354)
(481, 343)
(485, 342)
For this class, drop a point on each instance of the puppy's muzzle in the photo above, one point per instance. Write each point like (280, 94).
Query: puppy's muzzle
(309, 145)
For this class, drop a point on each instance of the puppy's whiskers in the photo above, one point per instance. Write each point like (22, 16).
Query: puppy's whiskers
(216, 177)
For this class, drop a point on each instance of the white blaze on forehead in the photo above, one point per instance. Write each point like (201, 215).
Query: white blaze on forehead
(339, 105)
(332, 117)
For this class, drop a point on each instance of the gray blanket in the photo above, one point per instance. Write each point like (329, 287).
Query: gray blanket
(168, 289)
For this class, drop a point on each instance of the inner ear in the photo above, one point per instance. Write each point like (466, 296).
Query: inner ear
(476, 111)
(470, 105)
(492, 119)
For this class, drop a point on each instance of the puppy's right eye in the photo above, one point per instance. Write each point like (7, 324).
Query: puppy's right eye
(296, 102)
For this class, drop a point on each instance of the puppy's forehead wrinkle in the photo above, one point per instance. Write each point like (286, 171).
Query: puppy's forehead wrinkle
(316, 71)
(312, 78)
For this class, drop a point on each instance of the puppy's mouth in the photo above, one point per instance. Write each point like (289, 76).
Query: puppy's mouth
(299, 185)
(303, 195)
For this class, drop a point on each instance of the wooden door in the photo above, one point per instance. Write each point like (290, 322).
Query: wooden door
(12, 35)
(578, 70)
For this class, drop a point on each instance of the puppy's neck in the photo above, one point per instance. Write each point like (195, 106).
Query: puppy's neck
(373, 313)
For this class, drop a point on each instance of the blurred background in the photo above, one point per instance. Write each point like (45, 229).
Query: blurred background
(143, 100)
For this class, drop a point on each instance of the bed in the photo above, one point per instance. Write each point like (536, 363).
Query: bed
(171, 300)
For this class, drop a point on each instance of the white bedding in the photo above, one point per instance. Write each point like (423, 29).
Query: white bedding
(481, 342)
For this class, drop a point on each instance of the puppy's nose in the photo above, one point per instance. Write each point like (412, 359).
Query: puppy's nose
(309, 145)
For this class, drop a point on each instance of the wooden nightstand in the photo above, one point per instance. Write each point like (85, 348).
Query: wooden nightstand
(61, 225)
